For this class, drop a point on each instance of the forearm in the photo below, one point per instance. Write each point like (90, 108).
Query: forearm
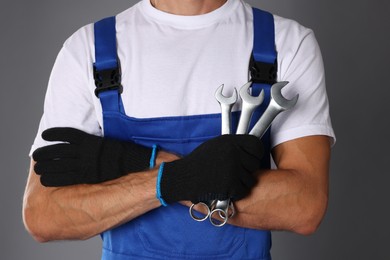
(83, 211)
(295, 196)
(282, 200)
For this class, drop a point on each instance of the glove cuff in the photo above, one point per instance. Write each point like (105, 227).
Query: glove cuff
(152, 162)
(158, 185)
(138, 158)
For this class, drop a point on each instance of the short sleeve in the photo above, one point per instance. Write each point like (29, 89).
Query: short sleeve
(300, 63)
(69, 96)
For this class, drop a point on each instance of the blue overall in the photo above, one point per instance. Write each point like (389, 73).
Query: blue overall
(170, 232)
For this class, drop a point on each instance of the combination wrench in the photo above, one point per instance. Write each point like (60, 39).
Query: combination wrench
(226, 104)
(224, 208)
(277, 104)
(249, 104)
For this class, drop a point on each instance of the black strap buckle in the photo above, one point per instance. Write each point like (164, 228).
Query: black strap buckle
(262, 72)
(109, 79)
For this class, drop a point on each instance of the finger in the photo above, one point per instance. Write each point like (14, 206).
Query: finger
(248, 179)
(56, 166)
(64, 134)
(253, 146)
(250, 163)
(239, 192)
(59, 180)
(54, 151)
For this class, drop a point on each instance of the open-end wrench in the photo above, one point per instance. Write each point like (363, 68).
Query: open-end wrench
(276, 105)
(226, 108)
(222, 207)
(249, 103)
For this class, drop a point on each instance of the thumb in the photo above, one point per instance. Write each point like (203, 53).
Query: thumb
(64, 134)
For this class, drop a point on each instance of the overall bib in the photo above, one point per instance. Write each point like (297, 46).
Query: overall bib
(169, 232)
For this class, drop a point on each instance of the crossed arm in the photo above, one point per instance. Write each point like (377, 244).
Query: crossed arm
(293, 197)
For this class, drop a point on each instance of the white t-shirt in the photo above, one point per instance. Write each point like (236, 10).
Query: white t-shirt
(172, 65)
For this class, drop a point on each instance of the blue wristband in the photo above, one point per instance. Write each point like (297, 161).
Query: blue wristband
(152, 162)
(158, 189)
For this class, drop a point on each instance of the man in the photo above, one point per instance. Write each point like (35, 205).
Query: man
(173, 55)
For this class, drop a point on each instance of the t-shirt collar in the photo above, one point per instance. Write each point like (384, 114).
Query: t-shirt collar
(189, 22)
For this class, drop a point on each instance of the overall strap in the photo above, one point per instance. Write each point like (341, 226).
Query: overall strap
(107, 73)
(263, 65)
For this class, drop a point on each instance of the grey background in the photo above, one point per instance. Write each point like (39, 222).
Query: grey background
(353, 35)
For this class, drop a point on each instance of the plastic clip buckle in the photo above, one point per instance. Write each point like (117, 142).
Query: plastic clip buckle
(262, 72)
(108, 79)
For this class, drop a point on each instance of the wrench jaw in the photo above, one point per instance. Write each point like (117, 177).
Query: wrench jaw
(282, 102)
(226, 104)
(248, 98)
(277, 104)
(244, 91)
(223, 100)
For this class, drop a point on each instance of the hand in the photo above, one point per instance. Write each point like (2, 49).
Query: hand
(221, 168)
(86, 159)
(163, 156)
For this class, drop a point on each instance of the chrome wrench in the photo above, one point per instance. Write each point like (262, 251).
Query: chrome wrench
(226, 108)
(277, 104)
(222, 206)
(214, 206)
(249, 104)
(225, 210)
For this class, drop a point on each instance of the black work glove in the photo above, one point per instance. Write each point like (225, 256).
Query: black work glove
(86, 159)
(221, 168)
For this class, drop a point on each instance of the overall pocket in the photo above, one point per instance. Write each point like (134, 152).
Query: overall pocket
(171, 232)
